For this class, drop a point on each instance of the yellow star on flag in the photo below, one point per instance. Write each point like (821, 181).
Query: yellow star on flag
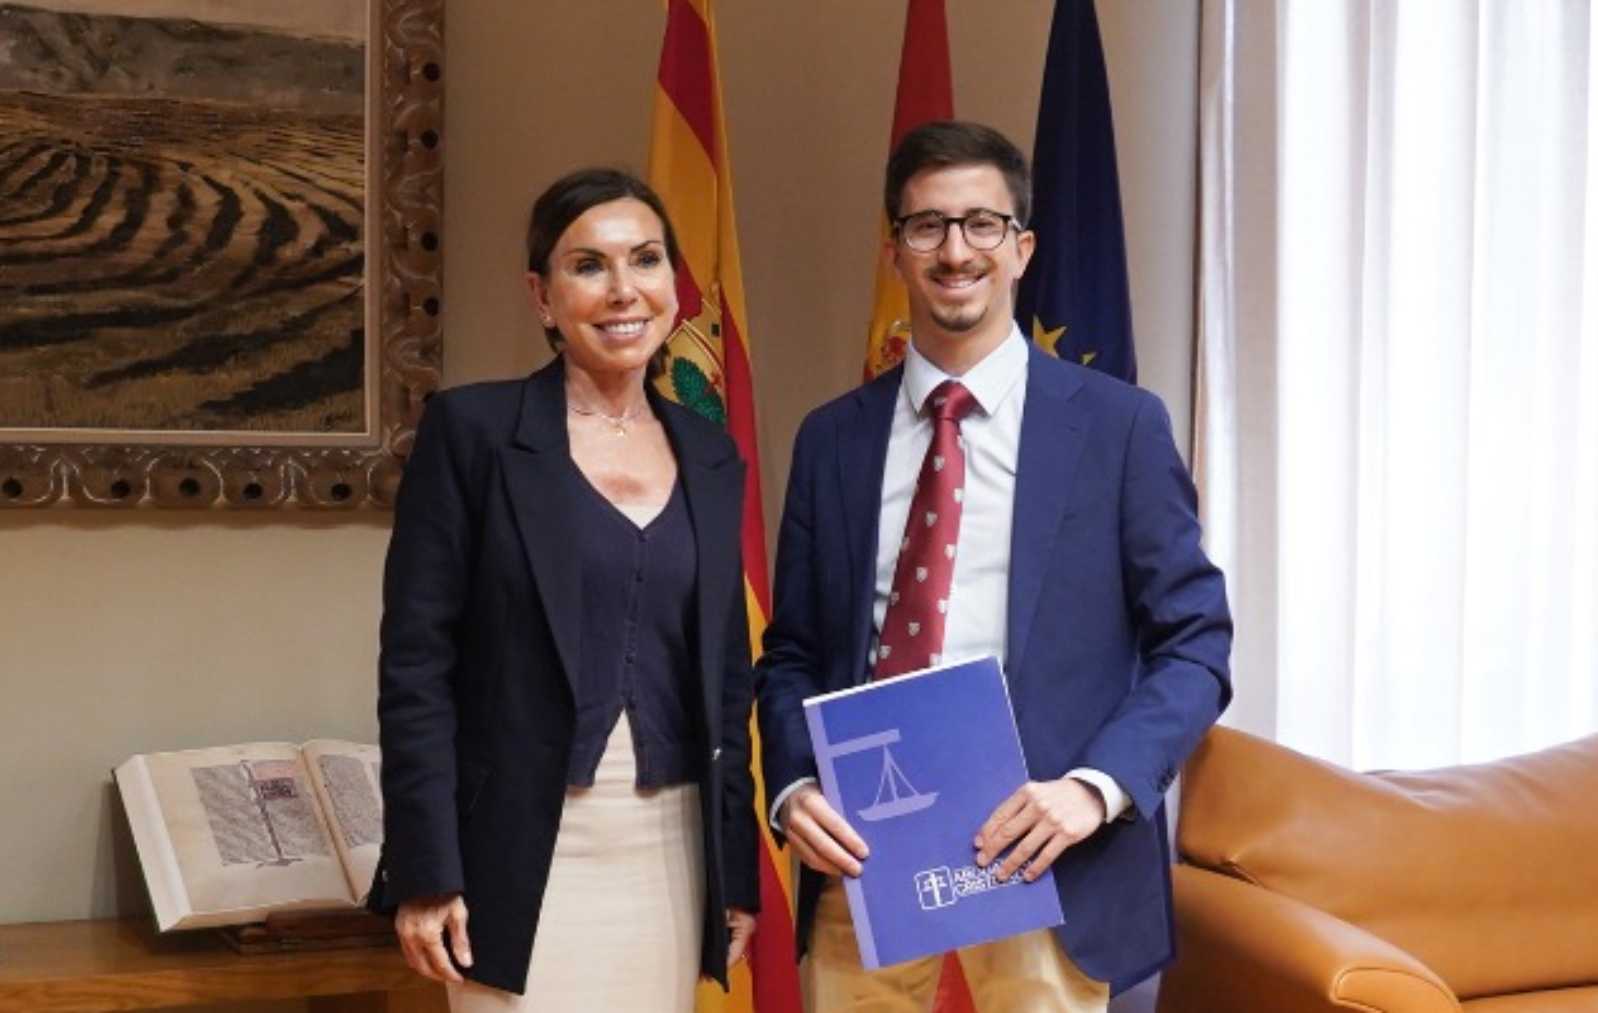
(1050, 340)
(1045, 337)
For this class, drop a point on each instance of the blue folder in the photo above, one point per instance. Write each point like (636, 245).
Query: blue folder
(916, 764)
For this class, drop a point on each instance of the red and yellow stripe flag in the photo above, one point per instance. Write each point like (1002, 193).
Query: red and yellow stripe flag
(926, 93)
(708, 370)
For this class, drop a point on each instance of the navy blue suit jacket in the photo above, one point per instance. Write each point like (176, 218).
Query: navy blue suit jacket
(1118, 630)
(481, 642)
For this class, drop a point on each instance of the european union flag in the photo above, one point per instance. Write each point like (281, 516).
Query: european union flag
(1074, 299)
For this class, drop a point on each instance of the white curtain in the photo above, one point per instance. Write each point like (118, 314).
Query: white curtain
(1398, 382)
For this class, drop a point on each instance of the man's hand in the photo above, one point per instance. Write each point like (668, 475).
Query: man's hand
(1046, 817)
(420, 925)
(740, 927)
(823, 839)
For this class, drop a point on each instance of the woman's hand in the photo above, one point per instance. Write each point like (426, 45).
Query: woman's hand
(740, 927)
(421, 924)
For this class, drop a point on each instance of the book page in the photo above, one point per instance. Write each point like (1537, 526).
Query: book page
(247, 832)
(347, 778)
(162, 878)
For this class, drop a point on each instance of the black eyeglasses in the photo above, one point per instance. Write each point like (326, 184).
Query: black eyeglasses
(925, 231)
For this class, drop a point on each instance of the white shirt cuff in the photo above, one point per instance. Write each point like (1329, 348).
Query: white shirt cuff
(1116, 801)
(782, 796)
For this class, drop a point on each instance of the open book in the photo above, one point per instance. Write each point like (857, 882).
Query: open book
(229, 835)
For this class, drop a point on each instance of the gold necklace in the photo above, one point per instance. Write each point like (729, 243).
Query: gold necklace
(618, 423)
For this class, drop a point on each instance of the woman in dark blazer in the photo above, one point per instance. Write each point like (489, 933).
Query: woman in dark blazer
(565, 671)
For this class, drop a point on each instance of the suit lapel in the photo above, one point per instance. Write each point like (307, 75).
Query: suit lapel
(539, 481)
(862, 456)
(712, 479)
(1053, 433)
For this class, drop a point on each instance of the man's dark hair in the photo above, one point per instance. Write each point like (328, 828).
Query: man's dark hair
(944, 144)
(568, 198)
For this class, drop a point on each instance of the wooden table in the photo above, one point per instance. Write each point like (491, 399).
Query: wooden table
(56, 967)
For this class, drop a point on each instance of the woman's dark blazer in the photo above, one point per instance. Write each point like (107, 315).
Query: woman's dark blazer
(480, 645)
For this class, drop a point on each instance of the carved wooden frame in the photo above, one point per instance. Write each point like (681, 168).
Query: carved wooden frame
(405, 268)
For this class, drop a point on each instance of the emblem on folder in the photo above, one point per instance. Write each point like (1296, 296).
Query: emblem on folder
(896, 796)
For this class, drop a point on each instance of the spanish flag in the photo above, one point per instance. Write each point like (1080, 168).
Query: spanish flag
(708, 370)
(926, 93)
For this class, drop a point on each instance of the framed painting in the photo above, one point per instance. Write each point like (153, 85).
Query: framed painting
(220, 249)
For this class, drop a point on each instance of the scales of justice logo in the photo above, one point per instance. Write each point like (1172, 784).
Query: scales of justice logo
(897, 797)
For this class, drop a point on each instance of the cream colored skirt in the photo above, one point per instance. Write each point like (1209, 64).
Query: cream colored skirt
(623, 914)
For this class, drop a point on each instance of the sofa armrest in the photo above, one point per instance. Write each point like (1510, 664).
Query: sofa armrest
(1242, 948)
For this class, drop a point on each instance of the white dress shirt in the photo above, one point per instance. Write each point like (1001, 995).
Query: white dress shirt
(977, 622)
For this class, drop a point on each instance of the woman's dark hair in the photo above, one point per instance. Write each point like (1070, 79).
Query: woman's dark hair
(946, 143)
(566, 200)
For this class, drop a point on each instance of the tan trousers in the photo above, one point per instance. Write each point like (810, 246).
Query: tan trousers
(624, 910)
(1028, 973)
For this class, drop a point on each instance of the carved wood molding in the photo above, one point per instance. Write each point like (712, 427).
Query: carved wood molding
(406, 269)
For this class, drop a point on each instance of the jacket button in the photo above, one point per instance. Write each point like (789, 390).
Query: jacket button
(385, 875)
(715, 754)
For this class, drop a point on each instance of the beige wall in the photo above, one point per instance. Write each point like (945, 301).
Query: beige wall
(161, 631)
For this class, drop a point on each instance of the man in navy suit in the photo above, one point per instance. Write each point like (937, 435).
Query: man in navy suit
(1074, 558)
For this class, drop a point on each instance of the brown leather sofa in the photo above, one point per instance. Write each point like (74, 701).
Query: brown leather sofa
(1307, 887)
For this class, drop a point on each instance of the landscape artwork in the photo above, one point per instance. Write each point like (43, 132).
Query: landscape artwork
(182, 216)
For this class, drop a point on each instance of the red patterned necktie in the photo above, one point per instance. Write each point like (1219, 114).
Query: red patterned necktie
(912, 630)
